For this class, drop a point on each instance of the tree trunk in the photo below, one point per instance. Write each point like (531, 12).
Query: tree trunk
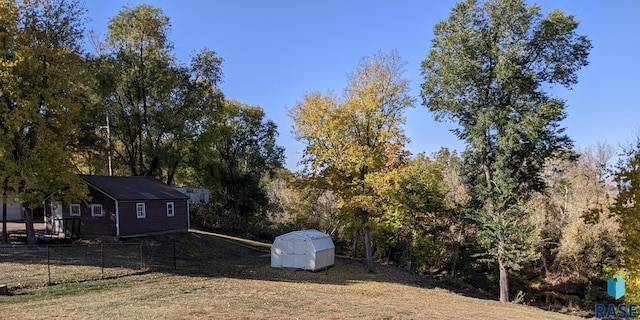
(171, 172)
(354, 252)
(367, 241)
(456, 254)
(365, 222)
(31, 232)
(504, 276)
(486, 164)
(544, 264)
(409, 260)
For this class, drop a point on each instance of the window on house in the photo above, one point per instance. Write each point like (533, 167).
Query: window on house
(140, 211)
(74, 210)
(170, 209)
(96, 210)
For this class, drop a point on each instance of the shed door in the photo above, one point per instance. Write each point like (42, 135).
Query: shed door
(56, 215)
(295, 252)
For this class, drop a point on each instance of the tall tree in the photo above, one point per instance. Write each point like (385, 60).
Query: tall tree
(8, 32)
(347, 136)
(43, 88)
(456, 198)
(156, 104)
(486, 70)
(236, 149)
(414, 214)
(627, 178)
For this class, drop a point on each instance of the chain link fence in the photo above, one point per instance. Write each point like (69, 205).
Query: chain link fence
(54, 264)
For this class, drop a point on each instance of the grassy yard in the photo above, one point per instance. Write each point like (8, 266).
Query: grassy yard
(226, 278)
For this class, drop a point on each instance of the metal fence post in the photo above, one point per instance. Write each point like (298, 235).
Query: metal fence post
(48, 266)
(101, 260)
(141, 257)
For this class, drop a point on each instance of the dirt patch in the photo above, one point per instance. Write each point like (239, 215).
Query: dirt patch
(19, 227)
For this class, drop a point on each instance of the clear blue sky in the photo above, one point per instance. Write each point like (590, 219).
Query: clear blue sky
(274, 51)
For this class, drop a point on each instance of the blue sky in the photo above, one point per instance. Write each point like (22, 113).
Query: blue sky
(274, 51)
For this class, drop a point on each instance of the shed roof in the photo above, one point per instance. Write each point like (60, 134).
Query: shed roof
(311, 234)
(318, 240)
(134, 188)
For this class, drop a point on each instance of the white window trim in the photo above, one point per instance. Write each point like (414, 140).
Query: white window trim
(93, 212)
(171, 207)
(71, 206)
(143, 214)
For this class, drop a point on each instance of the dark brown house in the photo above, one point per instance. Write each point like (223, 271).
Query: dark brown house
(121, 207)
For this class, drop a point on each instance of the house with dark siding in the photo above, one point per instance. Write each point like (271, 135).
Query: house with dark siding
(14, 210)
(121, 207)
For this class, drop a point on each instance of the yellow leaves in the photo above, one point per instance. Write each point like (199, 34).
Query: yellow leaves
(8, 13)
(352, 137)
(385, 184)
(353, 132)
(357, 203)
(5, 71)
(313, 115)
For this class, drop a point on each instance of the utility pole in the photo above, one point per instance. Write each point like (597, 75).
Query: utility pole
(108, 143)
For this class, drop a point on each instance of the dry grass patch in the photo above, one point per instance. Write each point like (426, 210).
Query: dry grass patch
(25, 269)
(219, 279)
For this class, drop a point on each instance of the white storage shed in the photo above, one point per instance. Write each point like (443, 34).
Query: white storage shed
(305, 249)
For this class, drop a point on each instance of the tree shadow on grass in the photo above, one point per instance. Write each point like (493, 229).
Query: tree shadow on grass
(205, 254)
(196, 254)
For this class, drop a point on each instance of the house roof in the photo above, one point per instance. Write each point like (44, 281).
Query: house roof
(134, 188)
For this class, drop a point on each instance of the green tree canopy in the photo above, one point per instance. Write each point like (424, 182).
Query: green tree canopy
(156, 104)
(627, 178)
(43, 82)
(486, 70)
(412, 207)
(346, 137)
(235, 151)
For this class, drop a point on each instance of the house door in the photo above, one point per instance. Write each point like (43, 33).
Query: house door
(56, 215)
